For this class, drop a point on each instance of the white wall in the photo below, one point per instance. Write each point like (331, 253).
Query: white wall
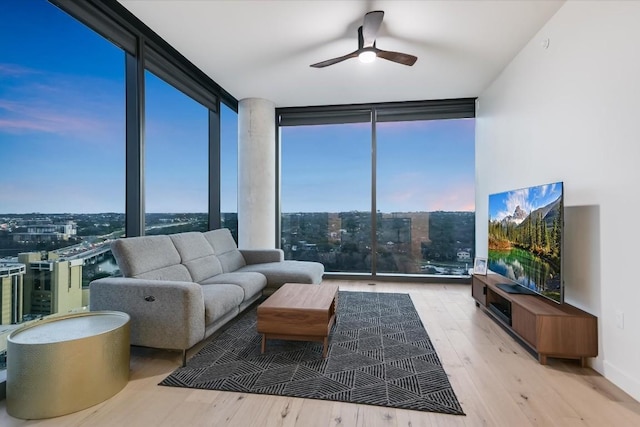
(571, 112)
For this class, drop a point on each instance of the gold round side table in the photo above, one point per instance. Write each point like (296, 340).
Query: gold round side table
(66, 363)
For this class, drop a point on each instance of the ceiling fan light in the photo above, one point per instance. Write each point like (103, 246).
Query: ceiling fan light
(367, 56)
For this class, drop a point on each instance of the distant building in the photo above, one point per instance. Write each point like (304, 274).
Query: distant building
(43, 230)
(51, 285)
(464, 256)
(11, 292)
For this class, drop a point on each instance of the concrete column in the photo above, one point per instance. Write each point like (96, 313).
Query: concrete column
(256, 174)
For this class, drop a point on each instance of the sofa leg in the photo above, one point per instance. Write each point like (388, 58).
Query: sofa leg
(184, 357)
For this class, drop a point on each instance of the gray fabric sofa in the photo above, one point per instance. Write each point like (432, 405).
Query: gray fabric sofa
(178, 289)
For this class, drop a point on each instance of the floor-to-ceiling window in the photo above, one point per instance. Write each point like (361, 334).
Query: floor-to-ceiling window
(411, 164)
(176, 166)
(229, 170)
(425, 196)
(325, 195)
(62, 145)
(89, 141)
(62, 151)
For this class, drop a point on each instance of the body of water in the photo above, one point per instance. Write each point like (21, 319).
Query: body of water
(528, 270)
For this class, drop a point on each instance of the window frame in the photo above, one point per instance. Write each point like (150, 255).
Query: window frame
(144, 49)
(458, 108)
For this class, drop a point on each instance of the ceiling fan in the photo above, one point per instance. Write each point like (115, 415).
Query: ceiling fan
(367, 50)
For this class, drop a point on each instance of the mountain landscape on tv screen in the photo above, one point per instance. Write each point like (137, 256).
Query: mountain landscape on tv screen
(525, 240)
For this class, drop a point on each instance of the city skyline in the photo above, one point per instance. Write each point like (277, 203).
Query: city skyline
(62, 126)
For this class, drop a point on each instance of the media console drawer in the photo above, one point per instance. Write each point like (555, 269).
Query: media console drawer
(524, 324)
(479, 290)
(549, 329)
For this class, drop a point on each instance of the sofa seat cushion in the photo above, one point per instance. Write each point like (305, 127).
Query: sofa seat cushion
(219, 300)
(289, 271)
(250, 282)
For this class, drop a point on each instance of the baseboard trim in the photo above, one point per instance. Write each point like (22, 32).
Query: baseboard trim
(623, 380)
(597, 365)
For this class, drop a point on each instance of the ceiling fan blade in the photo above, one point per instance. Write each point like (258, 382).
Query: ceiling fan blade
(400, 58)
(334, 60)
(370, 27)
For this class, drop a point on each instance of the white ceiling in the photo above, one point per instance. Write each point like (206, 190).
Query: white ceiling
(263, 48)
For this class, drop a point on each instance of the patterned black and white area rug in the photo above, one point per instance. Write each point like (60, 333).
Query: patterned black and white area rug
(379, 354)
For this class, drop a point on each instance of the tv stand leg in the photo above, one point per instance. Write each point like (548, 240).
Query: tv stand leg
(583, 362)
(542, 358)
(477, 304)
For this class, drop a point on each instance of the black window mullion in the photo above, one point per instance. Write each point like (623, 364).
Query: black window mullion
(134, 99)
(278, 183)
(215, 162)
(374, 195)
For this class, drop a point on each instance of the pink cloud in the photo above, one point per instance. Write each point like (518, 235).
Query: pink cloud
(414, 192)
(83, 108)
(13, 70)
(29, 117)
(455, 197)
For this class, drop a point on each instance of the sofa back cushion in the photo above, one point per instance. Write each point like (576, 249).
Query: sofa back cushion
(225, 249)
(197, 255)
(149, 257)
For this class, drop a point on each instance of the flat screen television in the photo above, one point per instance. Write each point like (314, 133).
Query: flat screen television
(525, 239)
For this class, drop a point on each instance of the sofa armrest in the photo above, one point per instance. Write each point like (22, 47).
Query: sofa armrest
(259, 256)
(164, 314)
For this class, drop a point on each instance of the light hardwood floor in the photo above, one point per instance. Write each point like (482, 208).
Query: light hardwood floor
(497, 382)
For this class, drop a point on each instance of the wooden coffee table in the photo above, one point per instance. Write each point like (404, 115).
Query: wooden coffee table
(299, 312)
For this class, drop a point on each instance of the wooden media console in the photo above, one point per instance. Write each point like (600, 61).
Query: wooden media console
(547, 328)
